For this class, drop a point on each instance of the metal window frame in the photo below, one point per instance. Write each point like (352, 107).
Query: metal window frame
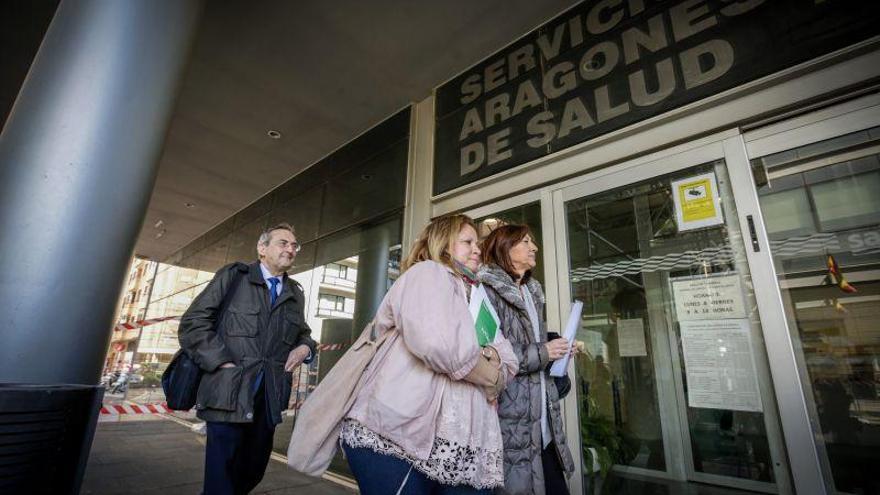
(720, 146)
(773, 95)
(853, 116)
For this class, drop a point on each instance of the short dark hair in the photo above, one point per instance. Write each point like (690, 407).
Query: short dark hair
(499, 242)
(266, 235)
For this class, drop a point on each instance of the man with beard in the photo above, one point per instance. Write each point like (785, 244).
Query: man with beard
(247, 344)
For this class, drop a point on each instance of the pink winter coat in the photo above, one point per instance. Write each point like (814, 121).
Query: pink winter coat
(412, 387)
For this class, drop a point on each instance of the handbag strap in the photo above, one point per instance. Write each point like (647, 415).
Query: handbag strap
(373, 331)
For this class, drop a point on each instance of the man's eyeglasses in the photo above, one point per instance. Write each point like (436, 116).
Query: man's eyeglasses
(283, 244)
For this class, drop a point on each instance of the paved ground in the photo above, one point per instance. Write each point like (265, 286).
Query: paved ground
(151, 455)
(163, 457)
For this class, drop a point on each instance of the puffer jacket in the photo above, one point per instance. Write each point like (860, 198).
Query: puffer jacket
(520, 404)
(252, 335)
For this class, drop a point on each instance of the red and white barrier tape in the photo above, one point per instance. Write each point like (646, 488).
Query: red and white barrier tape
(130, 408)
(330, 347)
(152, 321)
(291, 411)
(118, 409)
(143, 323)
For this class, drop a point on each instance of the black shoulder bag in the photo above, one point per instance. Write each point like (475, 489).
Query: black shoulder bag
(181, 378)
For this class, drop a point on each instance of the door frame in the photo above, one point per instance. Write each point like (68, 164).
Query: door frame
(851, 116)
(551, 292)
(736, 148)
(727, 145)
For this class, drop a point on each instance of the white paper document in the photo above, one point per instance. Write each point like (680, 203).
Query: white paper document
(719, 365)
(631, 338)
(560, 366)
(708, 297)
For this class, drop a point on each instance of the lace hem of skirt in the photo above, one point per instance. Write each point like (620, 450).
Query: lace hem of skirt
(449, 462)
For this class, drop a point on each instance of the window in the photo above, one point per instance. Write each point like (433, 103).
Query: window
(335, 270)
(331, 302)
(822, 213)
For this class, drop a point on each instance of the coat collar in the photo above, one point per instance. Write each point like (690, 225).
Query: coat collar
(494, 276)
(255, 276)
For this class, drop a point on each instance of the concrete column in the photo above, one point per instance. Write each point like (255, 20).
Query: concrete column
(372, 277)
(78, 159)
(420, 169)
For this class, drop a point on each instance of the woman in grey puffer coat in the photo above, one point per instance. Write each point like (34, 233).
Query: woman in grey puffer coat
(536, 455)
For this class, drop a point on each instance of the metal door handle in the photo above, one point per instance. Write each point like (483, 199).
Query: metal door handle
(755, 246)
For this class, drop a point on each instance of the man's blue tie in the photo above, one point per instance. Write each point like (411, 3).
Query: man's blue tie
(273, 290)
(273, 295)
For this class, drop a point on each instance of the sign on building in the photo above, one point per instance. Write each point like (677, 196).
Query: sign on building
(604, 65)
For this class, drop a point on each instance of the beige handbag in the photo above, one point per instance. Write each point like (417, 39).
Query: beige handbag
(315, 435)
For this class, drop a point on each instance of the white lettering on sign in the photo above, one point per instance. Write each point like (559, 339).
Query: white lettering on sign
(645, 85)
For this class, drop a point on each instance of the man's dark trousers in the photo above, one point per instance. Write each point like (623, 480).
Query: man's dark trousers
(237, 453)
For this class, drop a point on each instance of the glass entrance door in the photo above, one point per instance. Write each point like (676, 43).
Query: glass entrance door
(673, 381)
(819, 190)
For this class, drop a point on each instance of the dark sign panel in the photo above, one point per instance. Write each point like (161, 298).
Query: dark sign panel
(607, 64)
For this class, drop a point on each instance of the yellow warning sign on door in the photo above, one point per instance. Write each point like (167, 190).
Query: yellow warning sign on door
(697, 202)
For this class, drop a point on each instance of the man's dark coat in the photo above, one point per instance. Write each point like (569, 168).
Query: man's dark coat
(253, 336)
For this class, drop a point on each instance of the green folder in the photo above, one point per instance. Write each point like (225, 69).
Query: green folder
(485, 325)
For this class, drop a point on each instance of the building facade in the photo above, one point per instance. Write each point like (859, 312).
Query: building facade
(704, 176)
(133, 305)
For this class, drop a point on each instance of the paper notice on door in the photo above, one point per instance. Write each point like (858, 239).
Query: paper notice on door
(631, 338)
(710, 297)
(697, 203)
(719, 365)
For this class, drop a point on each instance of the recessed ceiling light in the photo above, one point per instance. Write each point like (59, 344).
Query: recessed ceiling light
(189, 205)
(274, 134)
(160, 233)
(158, 224)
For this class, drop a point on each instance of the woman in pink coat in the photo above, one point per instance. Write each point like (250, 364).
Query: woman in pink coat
(424, 421)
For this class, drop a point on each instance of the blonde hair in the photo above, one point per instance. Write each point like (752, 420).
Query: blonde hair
(436, 239)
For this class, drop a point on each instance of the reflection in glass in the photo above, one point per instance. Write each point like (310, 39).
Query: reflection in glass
(828, 273)
(626, 251)
(354, 267)
(529, 214)
(346, 210)
(617, 393)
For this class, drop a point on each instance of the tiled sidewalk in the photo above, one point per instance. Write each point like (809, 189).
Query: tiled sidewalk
(164, 457)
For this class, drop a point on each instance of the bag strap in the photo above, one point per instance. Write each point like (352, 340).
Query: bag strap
(227, 297)
(373, 331)
(369, 336)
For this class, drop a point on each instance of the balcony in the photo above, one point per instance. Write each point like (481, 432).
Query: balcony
(334, 281)
(332, 313)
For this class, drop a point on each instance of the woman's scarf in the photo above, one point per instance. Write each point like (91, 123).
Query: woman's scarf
(466, 273)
